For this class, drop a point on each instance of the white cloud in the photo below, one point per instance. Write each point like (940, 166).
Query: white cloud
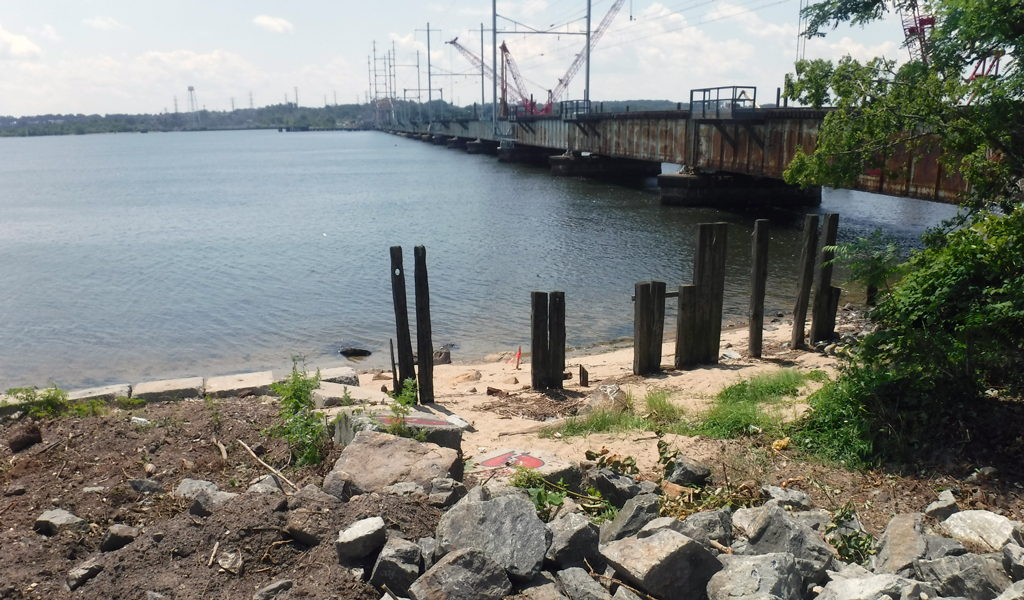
(104, 23)
(17, 46)
(47, 32)
(273, 24)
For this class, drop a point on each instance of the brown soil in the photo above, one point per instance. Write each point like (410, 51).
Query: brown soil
(107, 451)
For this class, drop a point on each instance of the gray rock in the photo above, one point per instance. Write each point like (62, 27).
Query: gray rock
(901, 544)
(302, 528)
(756, 578)
(360, 539)
(204, 502)
(649, 487)
(579, 585)
(982, 528)
(971, 576)
(667, 564)
(816, 519)
(886, 586)
(188, 488)
(615, 487)
(445, 491)
(340, 375)
(544, 586)
(266, 484)
(1013, 561)
(787, 497)
(55, 521)
(404, 488)
(773, 531)
(117, 537)
(942, 508)
(731, 355)
(376, 460)
(1014, 592)
(16, 489)
(608, 398)
(84, 572)
(466, 574)
(574, 538)
(428, 551)
(941, 547)
(702, 527)
(687, 471)
(146, 486)
(637, 512)
(338, 484)
(311, 497)
(507, 529)
(151, 595)
(272, 590)
(397, 566)
(623, 594)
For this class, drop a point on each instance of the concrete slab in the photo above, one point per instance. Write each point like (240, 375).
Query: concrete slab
(342, 375)
(244, 383)
(331, 394)
(106, 393)
(436, 429)
(502, 464)
(169, 389)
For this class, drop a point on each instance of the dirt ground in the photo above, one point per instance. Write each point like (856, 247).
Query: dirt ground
(172, 555)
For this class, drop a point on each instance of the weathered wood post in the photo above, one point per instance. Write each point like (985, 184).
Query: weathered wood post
(539, 340)
(821, 327)
(556, 339)
(758, 283)
(405, 362)
(686, 327)
(394, 370)
(648, 326)
(709, 277)
(803, 293)
(424, 344)
(643, 326)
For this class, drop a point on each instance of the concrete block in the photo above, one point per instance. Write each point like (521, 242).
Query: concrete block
(169, 389)
(106, 393)
(500, 465)
(331, 394)
(343, 375)
(351, 420)
(227, 386)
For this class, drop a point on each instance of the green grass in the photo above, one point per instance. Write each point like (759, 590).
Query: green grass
(600, 421)
(749, 406)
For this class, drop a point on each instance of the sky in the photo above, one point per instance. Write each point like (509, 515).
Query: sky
(127, 56)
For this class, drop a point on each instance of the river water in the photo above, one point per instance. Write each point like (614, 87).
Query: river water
(132, 257)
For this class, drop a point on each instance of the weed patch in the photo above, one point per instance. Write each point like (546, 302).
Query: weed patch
(745, 407)
(49, 403)
(302, 427)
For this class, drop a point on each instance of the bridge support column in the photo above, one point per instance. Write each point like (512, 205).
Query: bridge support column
(482, 147)
(426, 138)
(603, 167)
(732, 190)
(439, 140)
(457, 143)
(520, 153)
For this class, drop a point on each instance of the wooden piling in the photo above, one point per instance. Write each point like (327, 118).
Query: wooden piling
(709, 277)
(394, 370)
(643, 326)
(686, 327)
(424, 344)
(821, 328)
(758, 283)
(406, 370)
(803, 294)
(584, 377)
(658, 330)
(556, 339)
(539, 340)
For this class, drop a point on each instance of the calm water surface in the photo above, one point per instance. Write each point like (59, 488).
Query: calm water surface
(133, 257)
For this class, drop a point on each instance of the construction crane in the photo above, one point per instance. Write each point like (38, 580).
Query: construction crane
(916, 28)
(581, 58)
(518, 91)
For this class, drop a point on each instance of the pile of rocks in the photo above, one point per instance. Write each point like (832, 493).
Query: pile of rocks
(490, 543)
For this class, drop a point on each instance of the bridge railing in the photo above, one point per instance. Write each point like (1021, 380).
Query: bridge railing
(730, 102)
(572, 109)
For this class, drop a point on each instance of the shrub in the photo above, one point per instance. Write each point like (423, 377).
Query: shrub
(302, 427)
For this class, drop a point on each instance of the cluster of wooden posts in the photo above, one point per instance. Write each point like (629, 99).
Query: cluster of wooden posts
(699, 318)
(424, 347)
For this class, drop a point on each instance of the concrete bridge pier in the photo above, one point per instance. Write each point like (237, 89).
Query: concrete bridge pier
(439, 140)
(509, 152)
(457, 143)
(732, 190)
(426, 138)
(603, 167)
(482, 147)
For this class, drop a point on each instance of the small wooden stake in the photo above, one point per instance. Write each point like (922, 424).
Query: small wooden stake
(584, 377)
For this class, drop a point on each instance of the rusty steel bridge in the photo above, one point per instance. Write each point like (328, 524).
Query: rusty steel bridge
(732, 151)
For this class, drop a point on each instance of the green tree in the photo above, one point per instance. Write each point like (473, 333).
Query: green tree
(953, 327)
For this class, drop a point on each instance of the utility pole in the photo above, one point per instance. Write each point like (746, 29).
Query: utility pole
(586, 89)
(430, 86)
(232, 105)
(483, 97)
(296, 97)
(419, 86)
(394, 77)
(250, 101)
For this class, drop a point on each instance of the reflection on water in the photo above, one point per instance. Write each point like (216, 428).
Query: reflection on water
(127, 257)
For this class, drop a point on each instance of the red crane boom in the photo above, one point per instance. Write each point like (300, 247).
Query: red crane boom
(581, 58)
